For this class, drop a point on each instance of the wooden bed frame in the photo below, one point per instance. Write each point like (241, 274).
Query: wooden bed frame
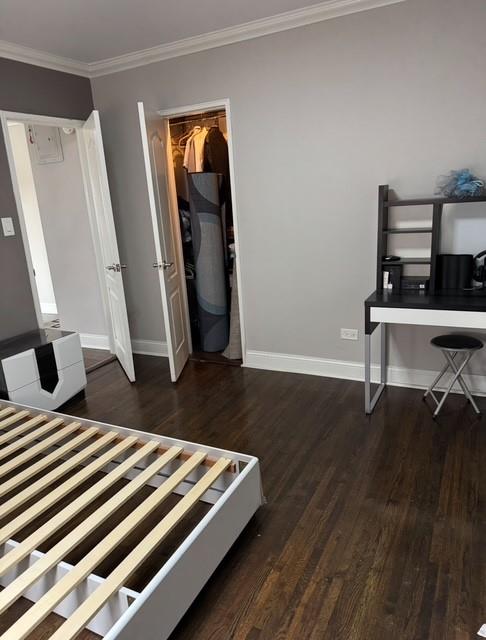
(71, 451)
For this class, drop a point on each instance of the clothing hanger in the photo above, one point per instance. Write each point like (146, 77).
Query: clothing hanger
(186, 136)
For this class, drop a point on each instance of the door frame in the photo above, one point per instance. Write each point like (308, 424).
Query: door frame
(52, 121)
(192, 109)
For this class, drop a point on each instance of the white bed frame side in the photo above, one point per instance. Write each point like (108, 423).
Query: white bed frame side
(177, 584)
(102, 622)
(185, 573)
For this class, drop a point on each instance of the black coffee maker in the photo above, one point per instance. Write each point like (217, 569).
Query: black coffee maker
(461, 272)
(479, 275)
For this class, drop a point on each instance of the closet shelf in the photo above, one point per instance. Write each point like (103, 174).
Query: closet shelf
(409, 230)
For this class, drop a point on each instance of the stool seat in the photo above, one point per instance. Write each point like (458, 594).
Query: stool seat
(457, 342)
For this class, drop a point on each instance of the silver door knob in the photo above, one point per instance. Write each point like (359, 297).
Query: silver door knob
(116, 267)
(162, 265)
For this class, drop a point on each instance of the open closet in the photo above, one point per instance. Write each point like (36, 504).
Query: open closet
(200, 163)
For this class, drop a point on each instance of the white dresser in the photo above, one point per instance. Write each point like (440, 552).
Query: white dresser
(42, 368)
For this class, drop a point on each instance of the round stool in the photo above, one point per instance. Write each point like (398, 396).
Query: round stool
(451, 345)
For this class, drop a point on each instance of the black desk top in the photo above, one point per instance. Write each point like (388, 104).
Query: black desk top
(31, 340)
(445, 300)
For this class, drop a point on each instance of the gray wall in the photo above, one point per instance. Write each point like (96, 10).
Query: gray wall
(321, 116)
(28, 89)
(64, 214)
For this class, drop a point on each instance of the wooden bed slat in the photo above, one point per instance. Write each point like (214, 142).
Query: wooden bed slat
(25, 426)
(16, 417)
(15, 589)
(60, 492)
(90, 607)
(7, 412)
(26, 440)
(43, 482)
(49, 601)
(31, 452)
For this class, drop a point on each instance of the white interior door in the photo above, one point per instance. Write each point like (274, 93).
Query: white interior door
(168, 260)
(104, 237)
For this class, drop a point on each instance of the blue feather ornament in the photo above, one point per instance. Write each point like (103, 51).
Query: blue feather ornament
(461, 183)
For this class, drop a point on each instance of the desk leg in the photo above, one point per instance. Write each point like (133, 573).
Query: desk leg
(384, 352)
(370, 402)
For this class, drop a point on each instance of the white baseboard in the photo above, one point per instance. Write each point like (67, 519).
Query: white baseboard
(346, 370)
(150, 348)
(94, 341)
(397, 376)
(48, 307)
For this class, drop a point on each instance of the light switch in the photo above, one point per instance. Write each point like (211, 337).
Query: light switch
(8, 227)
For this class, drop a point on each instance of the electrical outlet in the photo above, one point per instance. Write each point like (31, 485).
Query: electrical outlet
(8, 227)
(349, 334)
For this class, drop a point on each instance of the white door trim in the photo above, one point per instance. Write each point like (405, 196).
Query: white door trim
(48, 121)
(83, 158)
(187, 110)
(5, 117)
(30, 118)
(174, 212)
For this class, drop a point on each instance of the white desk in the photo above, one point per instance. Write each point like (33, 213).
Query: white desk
(465, 311)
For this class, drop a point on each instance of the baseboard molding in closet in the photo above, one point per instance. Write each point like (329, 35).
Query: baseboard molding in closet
(150, 348)
(94, 341)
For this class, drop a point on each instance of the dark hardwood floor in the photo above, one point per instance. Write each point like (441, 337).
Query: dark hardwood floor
(374, 528)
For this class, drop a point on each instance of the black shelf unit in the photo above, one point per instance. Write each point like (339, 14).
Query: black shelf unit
(409, 230)
(407, 261)
(384, 230)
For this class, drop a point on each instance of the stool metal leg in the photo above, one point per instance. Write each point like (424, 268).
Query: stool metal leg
(461, 381)
(430, 390)
(455, 377)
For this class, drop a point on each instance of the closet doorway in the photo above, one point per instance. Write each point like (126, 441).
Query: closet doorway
(60, 184)
(190, 180)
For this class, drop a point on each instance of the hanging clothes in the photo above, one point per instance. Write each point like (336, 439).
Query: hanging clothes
(194, 151)
(216, 160)
(180, 173)
(189, 152)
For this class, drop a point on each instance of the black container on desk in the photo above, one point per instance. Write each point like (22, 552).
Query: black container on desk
(394, 274)
(454, 271)
(415, 283)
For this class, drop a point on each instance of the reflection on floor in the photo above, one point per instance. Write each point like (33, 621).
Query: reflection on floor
(214, 358)
(96, 358)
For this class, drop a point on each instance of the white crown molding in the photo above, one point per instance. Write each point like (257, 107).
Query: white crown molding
(42, 59)
(247, 31)
(255, 29)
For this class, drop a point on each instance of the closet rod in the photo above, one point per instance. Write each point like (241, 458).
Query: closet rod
(200, 116)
